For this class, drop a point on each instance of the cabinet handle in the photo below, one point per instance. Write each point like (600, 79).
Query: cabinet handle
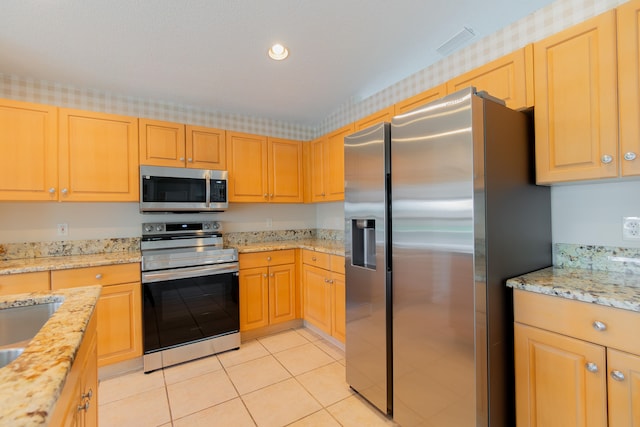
(87, 395)
(606, 159)
(591, 367)
(629, 155)
(99, 276)
(599, 326)
(64, 191)
(617, 375)
(52, 190)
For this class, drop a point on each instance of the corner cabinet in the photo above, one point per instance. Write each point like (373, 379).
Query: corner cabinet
(177, 145)
(264, 169)
(326, 172)
(267, 288)
(77, 405)
(576, 117)
(574, 363)
(119, 309)
(323, 285)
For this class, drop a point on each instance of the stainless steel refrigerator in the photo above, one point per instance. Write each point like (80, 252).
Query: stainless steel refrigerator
(440, 209)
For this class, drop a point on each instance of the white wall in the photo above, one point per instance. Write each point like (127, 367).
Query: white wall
(37, 221)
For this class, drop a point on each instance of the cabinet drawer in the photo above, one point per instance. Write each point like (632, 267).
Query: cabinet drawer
(337, 264)
(103, 275)
(578, 319)
(24, 282)
(267, 258)
(318, 259)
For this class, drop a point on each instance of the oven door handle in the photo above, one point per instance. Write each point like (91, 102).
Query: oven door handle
(185, 273)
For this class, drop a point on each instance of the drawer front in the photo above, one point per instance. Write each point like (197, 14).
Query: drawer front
(337, 264)
(24, 282)
(103, 275)
(579, 319)
(318, 259)
(267, 258)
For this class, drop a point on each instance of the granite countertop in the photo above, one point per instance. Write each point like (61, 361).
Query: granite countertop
(32, 383)
(334, 247)
(614, 289)
(28, 265)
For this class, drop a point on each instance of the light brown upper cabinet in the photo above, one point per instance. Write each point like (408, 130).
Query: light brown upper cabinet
(384, 115)
(264, 169)
(420, 99)
(29, 146)
(98, 157)
(177, 145)
(629, 86)
(576, 117)
(509, 78)
(326, 172)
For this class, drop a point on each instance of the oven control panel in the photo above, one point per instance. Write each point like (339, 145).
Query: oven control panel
(160, 228)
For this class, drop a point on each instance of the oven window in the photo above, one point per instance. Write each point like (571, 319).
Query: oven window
(174, 190)
(186, 310)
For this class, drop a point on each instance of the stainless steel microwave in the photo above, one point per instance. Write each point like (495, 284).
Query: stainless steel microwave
(166, 189)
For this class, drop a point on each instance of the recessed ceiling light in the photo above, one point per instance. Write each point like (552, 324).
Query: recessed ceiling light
(278, 52)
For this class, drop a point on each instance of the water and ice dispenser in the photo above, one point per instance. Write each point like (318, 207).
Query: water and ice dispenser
(363, 234)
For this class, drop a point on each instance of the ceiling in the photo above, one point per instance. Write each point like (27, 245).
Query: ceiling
(213, 53)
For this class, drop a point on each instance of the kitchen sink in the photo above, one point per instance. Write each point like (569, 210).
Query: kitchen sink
(22, 323)
(8, 355)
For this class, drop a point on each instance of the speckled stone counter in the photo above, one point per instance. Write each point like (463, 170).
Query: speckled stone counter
(334, 247)
(614, 289)
(27, 265)
(32, 383)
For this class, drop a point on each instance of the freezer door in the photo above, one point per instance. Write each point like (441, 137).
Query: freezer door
(432, 258)
(365, 207)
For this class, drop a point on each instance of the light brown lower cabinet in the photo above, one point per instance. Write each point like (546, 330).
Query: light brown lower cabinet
(119, 309)
(267, 284)
(577, 364)
(323, 286)
(77, 405)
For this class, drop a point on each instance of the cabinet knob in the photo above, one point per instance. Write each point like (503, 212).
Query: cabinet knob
(271, 195)
(630, 155)
(326, 280)
(599, 326)
(84, 406)
(87, 395)
(271, 275)
(264, 274)
(190, 160)
(606, 159)
(313, 258)
(265, 195)
(182, 159)
(591, 367)
(268, 258)
(99, 276)
(322, 194)
(617, 375)
(64, 191)
(52, 190)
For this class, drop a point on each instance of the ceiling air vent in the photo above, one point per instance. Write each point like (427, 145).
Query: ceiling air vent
(456, 41)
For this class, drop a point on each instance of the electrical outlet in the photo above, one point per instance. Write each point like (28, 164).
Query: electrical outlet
(269, 223)
(631, 228)
(63, 229)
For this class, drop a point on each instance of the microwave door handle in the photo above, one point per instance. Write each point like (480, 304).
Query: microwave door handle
(208, 190)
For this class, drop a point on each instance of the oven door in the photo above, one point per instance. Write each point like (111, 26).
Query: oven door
(188, 305)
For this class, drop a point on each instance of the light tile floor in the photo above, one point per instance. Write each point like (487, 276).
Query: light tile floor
(294, 378)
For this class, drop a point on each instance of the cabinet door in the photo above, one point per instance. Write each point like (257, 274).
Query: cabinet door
(248, 172)
(88, 416)
(282, 293)
(554, 386)
(162, 143)
(284, 161)
(420, 99)
(335, 140)
(317, 297)
(119, 323)
(339, 312)
(98, 157)
(509, 78)
(206, 148)
(319, 171)
(624, 389)
(384, 115)
(576, 119)
(29, 147)
(254, 298)
(24, 282)
(629, 86)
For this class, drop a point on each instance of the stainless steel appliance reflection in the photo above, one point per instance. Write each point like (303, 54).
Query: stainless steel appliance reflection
(447, 192)
(190, 293)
